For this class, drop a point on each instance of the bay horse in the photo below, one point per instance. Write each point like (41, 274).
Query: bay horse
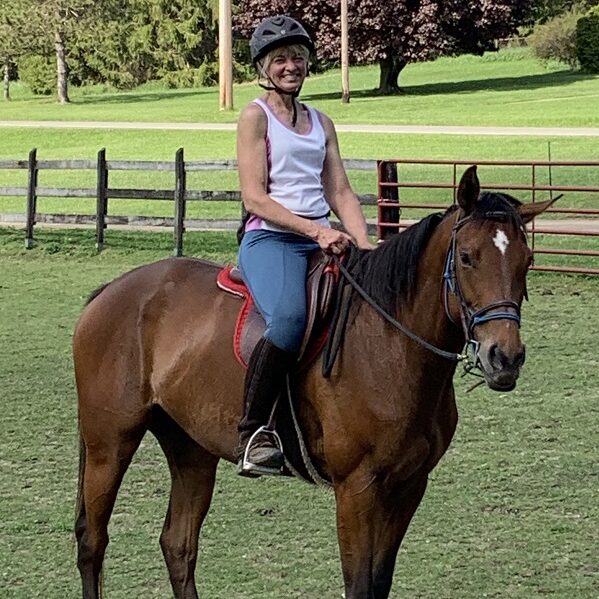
(153, 352)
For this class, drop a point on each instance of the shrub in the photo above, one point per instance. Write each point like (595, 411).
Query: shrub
(556, 39)
(39, 73)
(587, 41)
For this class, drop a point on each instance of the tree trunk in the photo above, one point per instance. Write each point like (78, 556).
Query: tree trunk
(391, 66)
(7, 80)
(61, 68)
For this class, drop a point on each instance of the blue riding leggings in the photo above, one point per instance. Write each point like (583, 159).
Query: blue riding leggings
(274, 266)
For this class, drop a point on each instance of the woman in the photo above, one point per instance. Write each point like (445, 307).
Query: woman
(291, 176)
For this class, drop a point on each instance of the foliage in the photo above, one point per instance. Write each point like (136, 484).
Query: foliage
(120, 43)
(205, 75)
(396, 33)
(587, 41)
(546, 10)
(38, 72)
(11, 18)
(177, 36)
(556, 39)
(100, 53)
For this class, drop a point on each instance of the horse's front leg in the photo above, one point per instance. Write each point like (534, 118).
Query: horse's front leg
(372, 519)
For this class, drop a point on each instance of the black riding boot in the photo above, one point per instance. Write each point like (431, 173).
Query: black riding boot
(264, 381)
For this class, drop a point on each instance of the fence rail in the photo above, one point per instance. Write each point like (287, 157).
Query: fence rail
(391, 182)
(389, 199)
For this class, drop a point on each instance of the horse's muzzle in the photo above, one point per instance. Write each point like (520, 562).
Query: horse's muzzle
(500, 366)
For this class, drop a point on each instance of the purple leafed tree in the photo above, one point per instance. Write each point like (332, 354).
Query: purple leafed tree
(395, 33)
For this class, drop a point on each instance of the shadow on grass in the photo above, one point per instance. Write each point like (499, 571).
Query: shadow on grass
(219, 246)
(499, 84)
(139, 96)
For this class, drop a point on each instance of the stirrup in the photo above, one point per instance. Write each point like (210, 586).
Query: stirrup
(247, 468)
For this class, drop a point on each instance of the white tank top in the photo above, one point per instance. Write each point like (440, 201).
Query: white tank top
(295, 163)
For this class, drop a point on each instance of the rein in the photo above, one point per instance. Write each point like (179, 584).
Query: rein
(470, 318)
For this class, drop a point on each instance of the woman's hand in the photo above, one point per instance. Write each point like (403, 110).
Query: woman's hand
(332, 241)
(365, 244)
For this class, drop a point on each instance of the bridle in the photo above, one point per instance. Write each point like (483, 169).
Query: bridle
(469, 318)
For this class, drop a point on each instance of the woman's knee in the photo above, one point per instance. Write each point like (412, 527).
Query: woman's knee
(287, 330)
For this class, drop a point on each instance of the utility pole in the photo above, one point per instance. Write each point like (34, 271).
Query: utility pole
(344, 54)
(225, 55)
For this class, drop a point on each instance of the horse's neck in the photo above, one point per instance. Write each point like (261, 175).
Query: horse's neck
(427, 305)
(423, 314)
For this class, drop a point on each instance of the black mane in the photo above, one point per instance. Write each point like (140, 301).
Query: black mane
(389, 273)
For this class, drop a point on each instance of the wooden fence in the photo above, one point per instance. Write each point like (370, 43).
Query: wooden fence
(180, 194)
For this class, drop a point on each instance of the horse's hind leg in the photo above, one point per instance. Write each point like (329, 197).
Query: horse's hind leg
(104, 461)
(192, 470)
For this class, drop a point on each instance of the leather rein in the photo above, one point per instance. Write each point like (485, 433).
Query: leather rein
(469, 318)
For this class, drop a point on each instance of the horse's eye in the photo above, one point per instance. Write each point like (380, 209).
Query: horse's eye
(465, 259)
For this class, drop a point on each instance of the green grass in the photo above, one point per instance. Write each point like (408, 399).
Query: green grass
(510, 512)
(507, 88)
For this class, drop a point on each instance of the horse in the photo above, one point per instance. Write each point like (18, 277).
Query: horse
(153, 352)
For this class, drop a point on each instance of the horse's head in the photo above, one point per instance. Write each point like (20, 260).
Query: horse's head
(486, 277)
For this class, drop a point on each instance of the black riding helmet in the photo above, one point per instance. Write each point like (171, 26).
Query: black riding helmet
(278, 31)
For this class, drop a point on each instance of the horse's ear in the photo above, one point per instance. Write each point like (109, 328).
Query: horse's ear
(468, 189)
(529, 211)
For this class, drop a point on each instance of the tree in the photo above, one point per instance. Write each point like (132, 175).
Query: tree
(57, 23)
(12, 42)
(178, 35)
(396, 33)
(545, 10)
(148, 39)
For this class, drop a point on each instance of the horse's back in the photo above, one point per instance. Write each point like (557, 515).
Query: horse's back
(159, 334)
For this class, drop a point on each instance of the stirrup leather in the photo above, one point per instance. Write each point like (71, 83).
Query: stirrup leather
(248, 468)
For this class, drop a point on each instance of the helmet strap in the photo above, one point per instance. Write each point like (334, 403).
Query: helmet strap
(293, 94)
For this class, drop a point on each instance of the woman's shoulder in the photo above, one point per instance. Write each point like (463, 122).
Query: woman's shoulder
(252, 121)
(252, 114)
(325, 121)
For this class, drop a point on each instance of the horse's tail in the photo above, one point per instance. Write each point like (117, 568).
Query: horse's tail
(80, 517)
(95, 293)
(80, 505)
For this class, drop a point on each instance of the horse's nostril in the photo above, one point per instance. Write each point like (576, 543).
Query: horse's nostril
(500, 360)
(520, 357)
(493, 351)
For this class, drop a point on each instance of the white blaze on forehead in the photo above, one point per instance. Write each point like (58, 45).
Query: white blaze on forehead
(501, 241)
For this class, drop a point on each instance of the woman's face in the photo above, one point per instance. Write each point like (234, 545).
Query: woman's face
(287, 69)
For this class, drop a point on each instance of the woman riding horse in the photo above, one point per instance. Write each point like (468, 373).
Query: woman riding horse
(291, 176)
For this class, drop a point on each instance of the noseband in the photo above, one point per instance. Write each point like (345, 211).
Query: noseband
(471, 318)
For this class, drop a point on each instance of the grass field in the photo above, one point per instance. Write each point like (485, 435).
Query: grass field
(507, 88)
(510, 513)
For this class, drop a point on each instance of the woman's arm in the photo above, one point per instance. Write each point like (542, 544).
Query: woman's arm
(338, 191)
(253, 173)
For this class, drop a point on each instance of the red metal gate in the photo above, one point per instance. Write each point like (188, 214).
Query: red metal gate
(567, 232)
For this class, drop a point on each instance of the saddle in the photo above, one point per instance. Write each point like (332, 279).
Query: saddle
(323, 276)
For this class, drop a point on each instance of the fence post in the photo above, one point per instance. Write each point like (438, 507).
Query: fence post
(101, 199)
(388, 214)
(180, 186)
(533, 222)
(32, 172)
